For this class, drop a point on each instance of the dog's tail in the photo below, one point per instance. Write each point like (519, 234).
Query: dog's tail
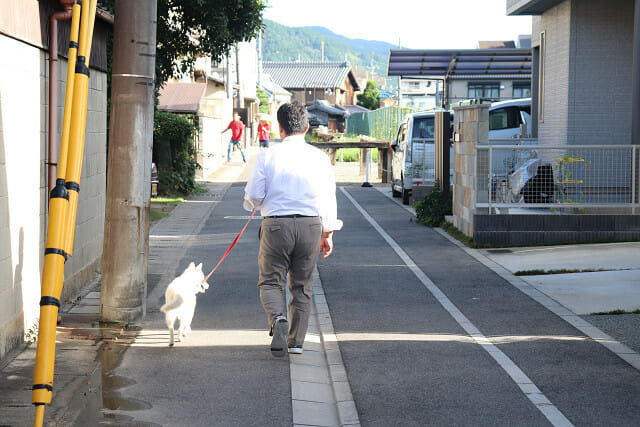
(177, 302)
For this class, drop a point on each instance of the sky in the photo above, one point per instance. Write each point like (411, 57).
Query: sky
(415, 24)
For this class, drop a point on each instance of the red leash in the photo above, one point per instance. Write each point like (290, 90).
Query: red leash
(230, 246)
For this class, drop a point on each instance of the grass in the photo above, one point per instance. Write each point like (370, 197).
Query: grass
(156, 214)
(200, 189)
(459, 235)
(353, 154)
(618, 311)
(161, 207)
(172, 201)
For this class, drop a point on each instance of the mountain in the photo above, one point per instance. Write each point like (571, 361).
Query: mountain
(282, 43)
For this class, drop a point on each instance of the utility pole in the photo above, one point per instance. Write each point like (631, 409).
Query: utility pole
(240, 103)
(126, 230)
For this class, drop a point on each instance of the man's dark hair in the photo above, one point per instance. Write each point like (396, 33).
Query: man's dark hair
(292, 116)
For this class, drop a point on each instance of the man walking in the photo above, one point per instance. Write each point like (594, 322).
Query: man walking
(237, 129)
(293, 185)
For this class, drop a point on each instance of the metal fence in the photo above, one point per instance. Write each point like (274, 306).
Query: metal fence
(381, 124)
(565, 179)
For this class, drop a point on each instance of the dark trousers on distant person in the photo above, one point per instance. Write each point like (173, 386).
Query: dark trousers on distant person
(288, 245)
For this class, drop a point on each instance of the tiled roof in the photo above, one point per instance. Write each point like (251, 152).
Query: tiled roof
(353, 108)
(298, 75)
(272, 87)
(324, 105)
(181, 97)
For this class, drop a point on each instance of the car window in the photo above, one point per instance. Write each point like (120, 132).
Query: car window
(423, 128)
(504, 118)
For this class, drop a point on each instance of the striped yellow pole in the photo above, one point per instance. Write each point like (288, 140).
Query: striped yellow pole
(79, 118)
(59, 208)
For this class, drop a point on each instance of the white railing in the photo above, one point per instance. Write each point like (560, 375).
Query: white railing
(563, 179)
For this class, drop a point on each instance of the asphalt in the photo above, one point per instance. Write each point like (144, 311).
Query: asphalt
(449, 337)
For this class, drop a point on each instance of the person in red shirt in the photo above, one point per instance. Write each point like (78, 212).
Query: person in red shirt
(237, 128)
(263, 133)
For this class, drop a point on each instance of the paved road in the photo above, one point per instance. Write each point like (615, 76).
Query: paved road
(408, 329)
(427, 334)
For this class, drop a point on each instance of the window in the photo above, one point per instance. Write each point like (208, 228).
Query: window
(521, 89)
(484, 90)
(504, 118)
(423, 128)
(309, 95)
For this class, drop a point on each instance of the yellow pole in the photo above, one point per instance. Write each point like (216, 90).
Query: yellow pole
(71, 67)
(79, 114)
(55, 253)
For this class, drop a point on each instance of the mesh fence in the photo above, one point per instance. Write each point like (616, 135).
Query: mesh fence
(381, 124)
(552, 176)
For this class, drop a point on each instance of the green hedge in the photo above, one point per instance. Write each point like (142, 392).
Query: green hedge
(174, 153)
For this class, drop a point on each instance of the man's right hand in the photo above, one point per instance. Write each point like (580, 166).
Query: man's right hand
(326, 244)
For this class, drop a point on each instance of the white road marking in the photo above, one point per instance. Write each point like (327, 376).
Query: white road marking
(533, 393)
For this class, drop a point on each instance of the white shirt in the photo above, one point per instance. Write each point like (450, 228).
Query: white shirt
(294, 178)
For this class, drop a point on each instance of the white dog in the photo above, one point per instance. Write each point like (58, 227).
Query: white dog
(180, 300)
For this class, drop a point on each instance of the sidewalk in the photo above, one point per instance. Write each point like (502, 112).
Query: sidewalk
(85, 350)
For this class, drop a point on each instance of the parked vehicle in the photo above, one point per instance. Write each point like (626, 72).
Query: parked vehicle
(413, 154)
(510, 119)
(413, 162)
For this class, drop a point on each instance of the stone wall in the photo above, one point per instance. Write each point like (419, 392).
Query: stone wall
(471, 127)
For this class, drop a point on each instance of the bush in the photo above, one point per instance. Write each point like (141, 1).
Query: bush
(432, 209)
(174, 153)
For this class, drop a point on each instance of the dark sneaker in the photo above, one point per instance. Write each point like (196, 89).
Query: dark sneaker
(295, 349)
(279, 331)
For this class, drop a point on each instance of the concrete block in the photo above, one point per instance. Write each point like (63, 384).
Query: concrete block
(483, 132)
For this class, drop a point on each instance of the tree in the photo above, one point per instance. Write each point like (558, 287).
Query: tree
(189, 28)
(264, 101)
(369, 99)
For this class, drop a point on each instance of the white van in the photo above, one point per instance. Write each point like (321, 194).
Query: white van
(413, 148)
(413, 154)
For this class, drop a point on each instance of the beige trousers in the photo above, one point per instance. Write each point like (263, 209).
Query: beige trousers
(288, 245)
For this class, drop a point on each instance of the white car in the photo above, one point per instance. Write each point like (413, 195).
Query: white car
(510, 119)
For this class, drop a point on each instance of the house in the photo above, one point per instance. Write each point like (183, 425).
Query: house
(418, 93)
(311, 81)
(24, 159)
(321, 113)
(212, 93)
(277, 96)
(387, 98)
(585, 86)
(485, 74)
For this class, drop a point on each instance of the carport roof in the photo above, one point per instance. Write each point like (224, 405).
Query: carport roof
(468, 62)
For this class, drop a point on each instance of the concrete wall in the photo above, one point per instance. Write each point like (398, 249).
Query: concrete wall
(587, 72)
(23, 199)
(216, 111)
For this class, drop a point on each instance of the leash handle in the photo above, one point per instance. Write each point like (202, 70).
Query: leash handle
(230, 246)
